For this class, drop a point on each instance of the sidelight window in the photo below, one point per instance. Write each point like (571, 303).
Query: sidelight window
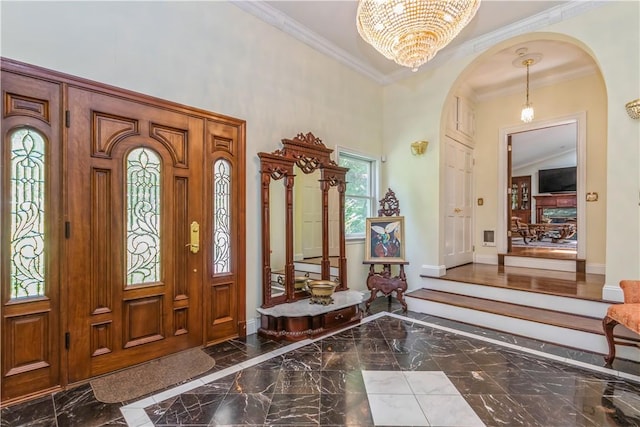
(28, 193)
(221, 216)
(143, 216)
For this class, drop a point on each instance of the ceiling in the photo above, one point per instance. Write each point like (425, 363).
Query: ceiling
(330, 27)
(538, 145)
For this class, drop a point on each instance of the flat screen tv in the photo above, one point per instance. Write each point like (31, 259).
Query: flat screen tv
(558, 180)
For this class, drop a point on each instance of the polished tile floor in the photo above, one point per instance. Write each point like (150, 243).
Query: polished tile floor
(404, 370)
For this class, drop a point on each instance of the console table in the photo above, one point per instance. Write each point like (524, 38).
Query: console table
(382, 281)
(300, 320)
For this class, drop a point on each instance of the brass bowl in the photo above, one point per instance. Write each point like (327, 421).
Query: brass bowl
(299, 282)
(321, 291)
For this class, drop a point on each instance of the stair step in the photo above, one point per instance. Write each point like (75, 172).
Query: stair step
(539, 315)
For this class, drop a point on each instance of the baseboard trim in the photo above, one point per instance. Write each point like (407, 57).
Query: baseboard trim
(433, 270)
(252, 326)
(612, 293)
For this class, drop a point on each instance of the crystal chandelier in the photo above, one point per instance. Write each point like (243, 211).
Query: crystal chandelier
(527, 110)
(411, 32)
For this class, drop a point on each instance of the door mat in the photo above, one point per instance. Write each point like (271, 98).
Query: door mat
(148, 377)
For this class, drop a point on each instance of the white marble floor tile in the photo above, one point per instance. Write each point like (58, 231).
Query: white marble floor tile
(396, 410)
(430, 382)
(448, 410)
(386, 382)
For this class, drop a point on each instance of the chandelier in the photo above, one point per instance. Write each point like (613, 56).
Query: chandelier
(411, 32)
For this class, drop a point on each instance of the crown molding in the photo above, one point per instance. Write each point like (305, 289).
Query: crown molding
(274, 17)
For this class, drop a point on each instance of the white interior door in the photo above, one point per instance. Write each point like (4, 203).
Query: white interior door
(458, 244)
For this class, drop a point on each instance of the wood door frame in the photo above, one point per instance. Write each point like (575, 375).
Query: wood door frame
(65, 80)
(580, 118)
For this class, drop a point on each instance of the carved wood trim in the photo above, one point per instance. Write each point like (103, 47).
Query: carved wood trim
(309, 153)
(389, 205)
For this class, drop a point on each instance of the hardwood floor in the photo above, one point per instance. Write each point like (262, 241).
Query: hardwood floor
(575, 285)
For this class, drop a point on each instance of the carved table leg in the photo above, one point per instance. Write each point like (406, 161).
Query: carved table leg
(374, 291)
(608, 324)
(400, 290)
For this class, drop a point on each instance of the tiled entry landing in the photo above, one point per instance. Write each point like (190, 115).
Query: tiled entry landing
(355, 378)
(401, 398)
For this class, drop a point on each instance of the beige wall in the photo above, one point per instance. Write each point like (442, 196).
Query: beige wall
(214, 56)
(413, 110)
(582, 94)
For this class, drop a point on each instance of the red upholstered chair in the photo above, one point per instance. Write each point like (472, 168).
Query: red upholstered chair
(627, 314)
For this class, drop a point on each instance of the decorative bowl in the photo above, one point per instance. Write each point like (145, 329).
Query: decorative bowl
(321, 291)
(299, 282)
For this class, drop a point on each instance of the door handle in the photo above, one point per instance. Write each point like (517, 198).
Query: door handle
(457, 210)
(194, 242)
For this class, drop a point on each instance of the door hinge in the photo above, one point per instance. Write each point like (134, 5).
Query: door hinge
(67, 118)
(508, 147)
(67, 229)
(473, 248)
(67, 340)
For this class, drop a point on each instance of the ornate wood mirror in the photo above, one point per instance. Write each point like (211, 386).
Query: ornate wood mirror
(317, 211)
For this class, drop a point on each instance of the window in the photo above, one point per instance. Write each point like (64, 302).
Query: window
(361, 190)
(222, 216)
(28, 193)
(143, 217)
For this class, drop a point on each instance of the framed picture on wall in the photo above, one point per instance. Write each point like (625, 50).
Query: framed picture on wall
(384, 239)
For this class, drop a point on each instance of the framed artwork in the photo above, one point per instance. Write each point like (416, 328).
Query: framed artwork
(384, 239)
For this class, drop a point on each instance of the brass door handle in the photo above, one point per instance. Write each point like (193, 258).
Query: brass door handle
(457, 210)
(194, 242)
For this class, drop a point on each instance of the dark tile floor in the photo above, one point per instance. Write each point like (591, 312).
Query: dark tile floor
(322, 383)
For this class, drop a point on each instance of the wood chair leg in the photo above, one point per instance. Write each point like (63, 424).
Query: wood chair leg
(608, 324)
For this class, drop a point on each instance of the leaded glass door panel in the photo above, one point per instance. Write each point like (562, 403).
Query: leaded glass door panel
(137, 173)
(30, 232)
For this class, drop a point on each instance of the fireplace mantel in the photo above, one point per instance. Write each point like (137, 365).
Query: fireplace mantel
(564, 200)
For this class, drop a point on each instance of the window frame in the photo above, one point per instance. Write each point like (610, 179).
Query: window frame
(374, 165)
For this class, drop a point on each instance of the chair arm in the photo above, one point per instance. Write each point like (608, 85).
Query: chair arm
(631, 291)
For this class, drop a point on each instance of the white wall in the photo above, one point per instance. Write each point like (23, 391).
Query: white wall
(213, 56)
(413, 110)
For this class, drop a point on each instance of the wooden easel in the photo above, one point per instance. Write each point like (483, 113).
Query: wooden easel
(382, 281)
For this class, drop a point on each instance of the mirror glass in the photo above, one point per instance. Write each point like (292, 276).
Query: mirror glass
(308, 226)
(277, 230)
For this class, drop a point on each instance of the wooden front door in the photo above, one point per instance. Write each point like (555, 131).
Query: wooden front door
(135, 187)
(122, 229)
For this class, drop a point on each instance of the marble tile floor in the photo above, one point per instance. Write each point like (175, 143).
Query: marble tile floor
(476, 377)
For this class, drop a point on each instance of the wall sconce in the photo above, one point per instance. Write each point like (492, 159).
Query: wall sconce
(418, 148)
(633, 108)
